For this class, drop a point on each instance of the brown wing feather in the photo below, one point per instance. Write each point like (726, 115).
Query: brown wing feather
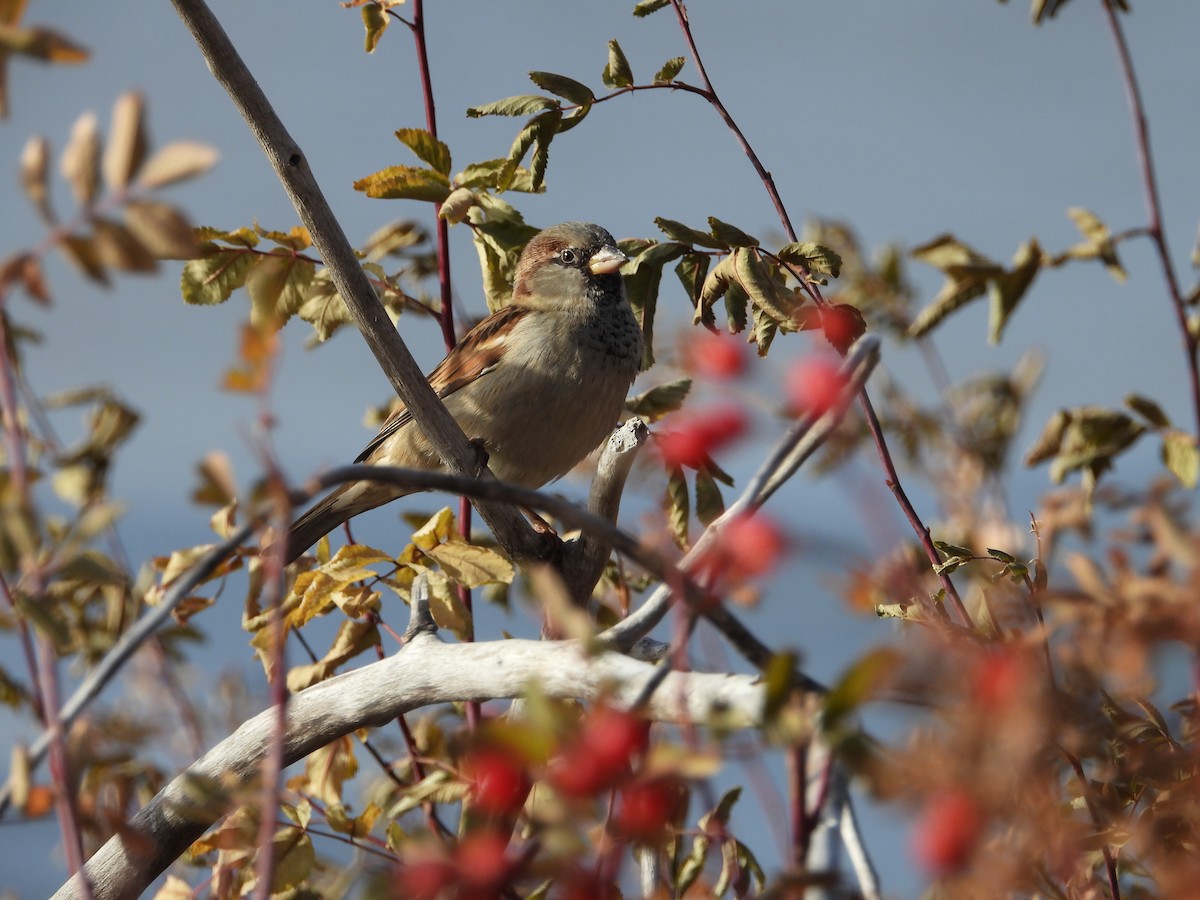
(472, 357)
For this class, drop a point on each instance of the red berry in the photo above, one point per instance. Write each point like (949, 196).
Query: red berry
(695, 437)
(716, 355)
(424, 879)
(747, 546)
(499, 781)
(646, 808)
(481, 860)
(614, 737)
(843, 324)
(814, 385)
(578, 773)
(998, 679)
(947, 832)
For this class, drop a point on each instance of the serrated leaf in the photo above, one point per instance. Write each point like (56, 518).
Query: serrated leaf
(471, 565)
(645, 8)
(1148, 410)
(278, 286)
(659, 400)
(1181, 457)
(520, 105)
(765, 327)
(214, 276)
(730, 235)
(126, 147)
(669, 70)
(816, 258)
(692, 270)
(765, 287)
(709, 503)
(617, 73)
(161, 229)
(405, 183)
(81, 158)
(685, 234)
(375, 21)
(676, 504)
(537, 133)
(175, 162)
(562, 86)
(715, 285)
(427, 148)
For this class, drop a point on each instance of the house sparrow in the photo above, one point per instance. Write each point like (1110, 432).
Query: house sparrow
(539, 382)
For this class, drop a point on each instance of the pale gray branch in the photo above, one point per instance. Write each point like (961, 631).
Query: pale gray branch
(424, 671)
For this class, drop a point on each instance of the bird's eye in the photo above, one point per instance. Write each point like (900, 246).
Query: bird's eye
(568, 256)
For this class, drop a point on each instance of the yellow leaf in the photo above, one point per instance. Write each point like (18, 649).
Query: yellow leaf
(162, 229)
(126, 146)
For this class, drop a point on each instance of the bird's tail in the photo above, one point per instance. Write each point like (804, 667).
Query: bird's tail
(335, 508)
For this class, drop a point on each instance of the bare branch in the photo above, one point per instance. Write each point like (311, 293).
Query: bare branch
(406, 378)
(424, 671)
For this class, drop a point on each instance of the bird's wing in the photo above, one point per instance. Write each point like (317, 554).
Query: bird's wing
(473, 357)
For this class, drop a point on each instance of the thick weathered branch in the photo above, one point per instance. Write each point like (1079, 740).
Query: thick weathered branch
(425, 671)
(406, 378)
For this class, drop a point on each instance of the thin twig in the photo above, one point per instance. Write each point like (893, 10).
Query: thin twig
(1154, 224)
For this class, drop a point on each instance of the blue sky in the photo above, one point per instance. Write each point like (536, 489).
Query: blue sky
(904, 119)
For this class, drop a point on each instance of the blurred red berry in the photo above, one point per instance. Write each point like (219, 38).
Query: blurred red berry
(843, 324)
(997, 680)
(695, 437)
(947, 832)
(814, 385)
(614, 737)
(425, 879)
(646, 808)
(747, 546)
(577, 773)
(481, 861)
(499, 782)
(716, 355)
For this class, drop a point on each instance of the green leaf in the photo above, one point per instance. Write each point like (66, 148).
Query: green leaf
(765, 287)
(1086, 438)
(427, 148)
(645, 8)
(537, 133)
(967, 273)
(730, 235)
(278, 286)
(685, 234)
(778, 679)
(1148, 410)
(691, 271)
(376, 21)
(858, 685)
(659, 400)
(715, 285)
(816, 258)
(709, 503)
(488, 174)
(405, 182)
(693, 864)
(669, 70)
(676, 504)
(562, 86)
(1181, 457)
(1006, 289)
(214, 276)
(520, 105)
(617, 73)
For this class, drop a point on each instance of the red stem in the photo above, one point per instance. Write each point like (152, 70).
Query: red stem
(1154, 226)
(446, 316)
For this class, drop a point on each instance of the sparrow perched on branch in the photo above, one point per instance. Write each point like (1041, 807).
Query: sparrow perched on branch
(540, 382)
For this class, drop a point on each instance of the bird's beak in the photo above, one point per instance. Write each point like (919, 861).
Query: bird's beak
(606, 261)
